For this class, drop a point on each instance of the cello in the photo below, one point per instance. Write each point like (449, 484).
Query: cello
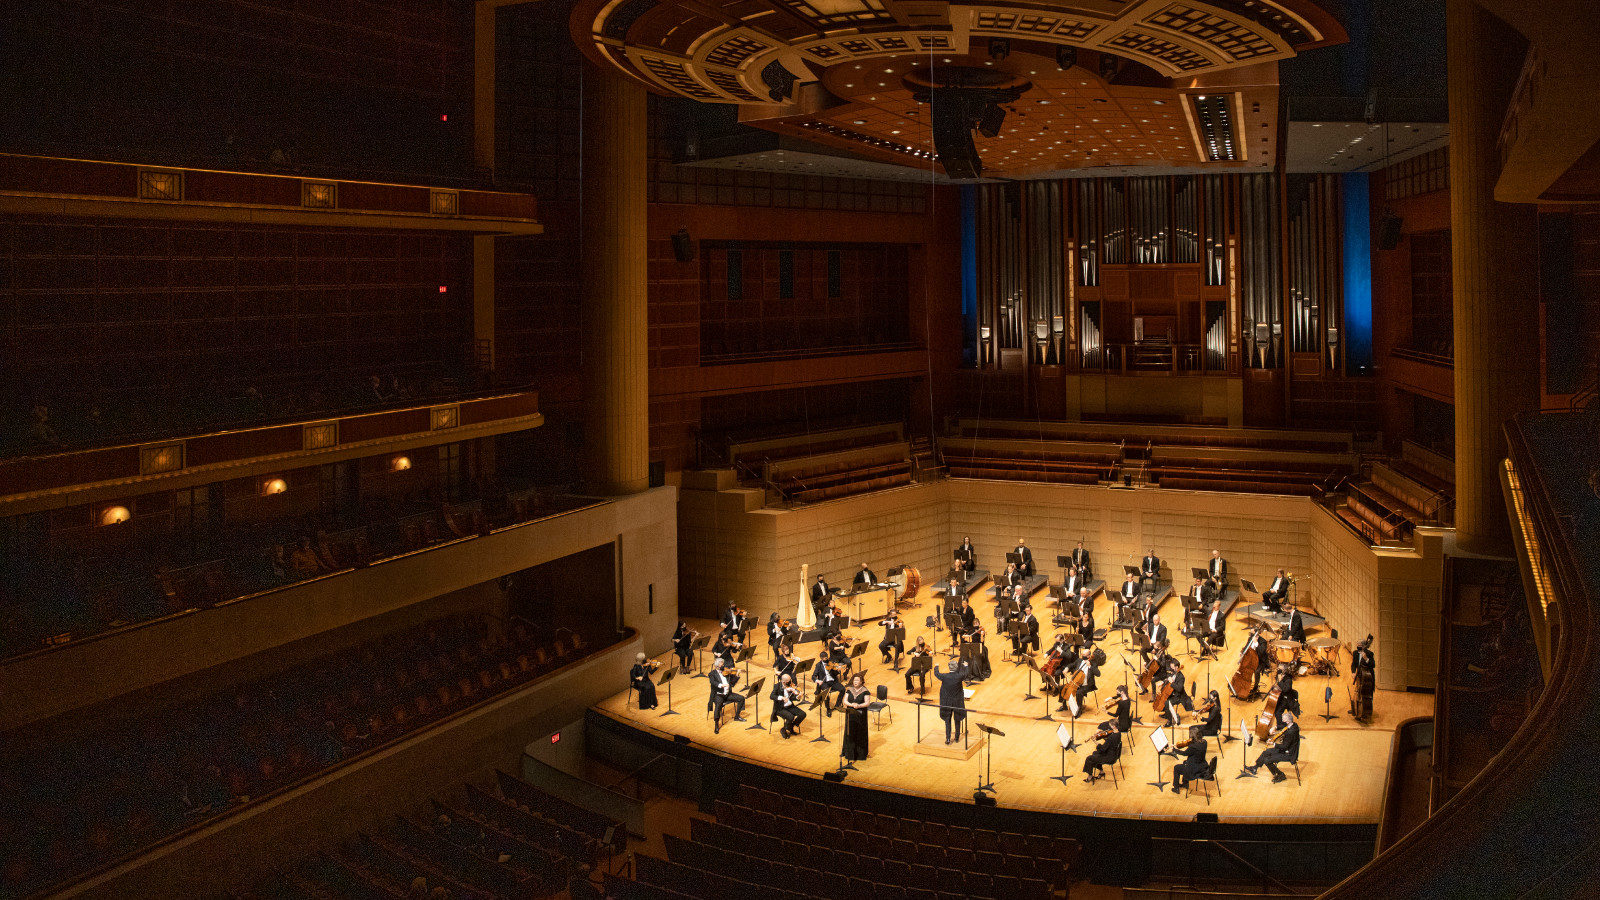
(1242, 683)
(1267, 719)
(1151, 668)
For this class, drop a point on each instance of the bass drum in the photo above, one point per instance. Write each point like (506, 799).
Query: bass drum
(907, 581)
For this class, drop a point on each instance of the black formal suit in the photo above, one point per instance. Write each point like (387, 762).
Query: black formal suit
(1287, 750)
(682, 640)
(731, 621)
(1074, 581)
(1122, 713)
(1090, 680)
(1150, 567)
(1192, 767)
(968, 618)
(639, 676)
(1080, 559)
(866, 576)
(723, 694)
(1029, 636)
(1108, 751)
(1218, 570)
(1013, 577)
(1157, 634)
(819, 597)
(888, 644)
(1130, 591)
(1027, 560)
(1217, 627)
(827, 685)
(952, 699)
(1086, 628)
(1297, 627)
(830, 623)
(967, 556)
(1273, 596)
(922, 677)
(784, 666)
(786, 706)
(1211, 725)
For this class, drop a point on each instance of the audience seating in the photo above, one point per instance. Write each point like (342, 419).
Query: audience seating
(1197, 437)
(1424, 499)
(1375, 515)
(81, 591)
(86, 800)
(1053, 461)
(816, 477)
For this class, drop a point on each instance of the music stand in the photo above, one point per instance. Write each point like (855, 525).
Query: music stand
(753, 692)
(952, 621)
(1158, 739)
(1014, 558)
(1032, 668)
(1327, 700)
(986, 783)
(1200, 573)
(897, 637)
(802, 669)
(666, 679)
(822, 731)
(920, 667)
(1072, 727)
(1013, 631)
(744, 657)
(1248, 585)
(1197, 623)
(698, 648)
(1064, 738)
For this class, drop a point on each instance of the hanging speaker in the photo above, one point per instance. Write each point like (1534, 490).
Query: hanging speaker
(683, 246)
(1389, 232)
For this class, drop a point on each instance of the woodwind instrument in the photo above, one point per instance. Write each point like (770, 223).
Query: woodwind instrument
(1273, 738)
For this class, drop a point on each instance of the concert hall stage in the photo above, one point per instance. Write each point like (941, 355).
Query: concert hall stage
(1343, 764)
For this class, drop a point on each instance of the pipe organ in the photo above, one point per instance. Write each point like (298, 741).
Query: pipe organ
(1184, 274)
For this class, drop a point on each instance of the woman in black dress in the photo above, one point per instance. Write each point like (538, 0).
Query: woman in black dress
(856, 700)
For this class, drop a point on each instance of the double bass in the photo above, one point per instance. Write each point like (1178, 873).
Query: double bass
(1244, 677)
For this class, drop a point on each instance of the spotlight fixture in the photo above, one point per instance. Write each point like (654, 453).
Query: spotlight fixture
(999, 48)
(1109, 66)
(273, 486)
(114, 515)
(1066, 57)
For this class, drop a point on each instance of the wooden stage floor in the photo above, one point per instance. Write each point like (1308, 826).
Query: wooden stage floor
(1342, 763)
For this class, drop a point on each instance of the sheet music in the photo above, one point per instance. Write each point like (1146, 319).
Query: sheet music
(1072, 705)
(1064, 736)
(1158, 738)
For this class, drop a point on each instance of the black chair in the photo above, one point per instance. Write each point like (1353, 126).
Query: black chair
(1210, 774)
(882, 703)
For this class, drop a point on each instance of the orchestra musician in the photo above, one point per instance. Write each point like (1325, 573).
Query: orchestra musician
(1080, 560)
(1297, 625)
(639, 677)
(866, 577)
(784, 662)
(1199, 593)
(777, 628)
(682, 641)
(1156, 632)
(920, 649)
(1011, 577)
(1216, 629)
(1130, 596)
(891, 641)
(1090, 672)
(831, 622)
(838, 651)
(732, 618)
(978, 669)
(1121, 710)
(957, 590)
(722, 694)
(1173, 672)
(966, 556)
(1284, 747)
(819, 596)
(952, 700)
(1026, 569)
(967, 616)
(1288, 697)
(1194, 760)
(1263, 651)
(1217, 569)
(1272, 597)
(826, 679)
(725, 649)
(1210, 714)
(1364, 674)
(1076, 580)
(1086, 627)
(1085, 601)
(786, 706)
(1150, 568)
(1029, 635)
(1055, 659)
(1106, 752)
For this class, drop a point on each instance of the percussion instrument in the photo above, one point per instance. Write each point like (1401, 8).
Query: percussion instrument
(1286, 651)
(906, 583)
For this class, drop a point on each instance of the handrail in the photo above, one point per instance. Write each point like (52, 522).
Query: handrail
(1250, 866)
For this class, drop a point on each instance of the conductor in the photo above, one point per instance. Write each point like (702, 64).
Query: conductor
(952, 700)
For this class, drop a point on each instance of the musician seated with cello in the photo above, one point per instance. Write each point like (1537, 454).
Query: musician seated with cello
(1106, 752)
(1283, 746)
(1082, 679)
(1168, 700)
(1194, 760)
(639, 677)
(1054, 660)
(722, 694)
(891, 642)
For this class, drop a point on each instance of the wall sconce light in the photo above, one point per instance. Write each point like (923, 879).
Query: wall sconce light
(1333, 346)
(400, 464)
(984, 332)
(273, 486)
(1058, 326)
(1041, 336)
(114, 515)
(1263, 338)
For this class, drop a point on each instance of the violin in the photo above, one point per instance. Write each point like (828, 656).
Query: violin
(1102, 733)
